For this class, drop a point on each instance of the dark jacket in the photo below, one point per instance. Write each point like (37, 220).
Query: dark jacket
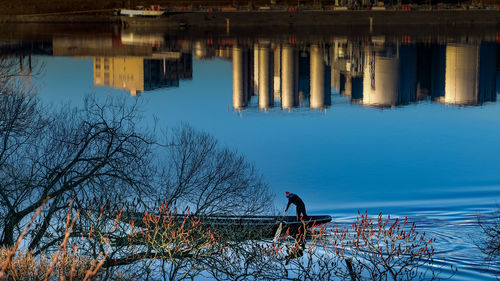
(294, 199)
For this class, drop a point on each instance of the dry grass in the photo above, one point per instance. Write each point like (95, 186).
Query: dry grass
(25, 266)
(63, 265)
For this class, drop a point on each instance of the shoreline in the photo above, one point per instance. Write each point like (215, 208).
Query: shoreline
(249, 19)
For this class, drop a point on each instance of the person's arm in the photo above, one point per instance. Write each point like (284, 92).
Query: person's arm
(289, 202)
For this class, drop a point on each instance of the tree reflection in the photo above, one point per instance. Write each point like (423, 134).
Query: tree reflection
(210, 179)
(17, 71)
(98, 157)
(489, 244)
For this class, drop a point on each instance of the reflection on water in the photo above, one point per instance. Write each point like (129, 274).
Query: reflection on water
(139, 74)
(371, 74)
(372, 71)
(413, 161)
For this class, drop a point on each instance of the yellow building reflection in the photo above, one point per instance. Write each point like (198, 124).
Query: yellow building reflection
(126, 73)
(139, 74)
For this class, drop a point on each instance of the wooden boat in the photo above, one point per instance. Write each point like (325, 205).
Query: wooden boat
(263, 226)
(249, 227)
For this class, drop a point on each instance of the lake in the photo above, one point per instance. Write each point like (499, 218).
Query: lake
(403, 124)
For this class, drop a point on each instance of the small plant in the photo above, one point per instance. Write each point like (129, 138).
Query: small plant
(171, 236)
(385, 247)
(26, 266)
(147, 241)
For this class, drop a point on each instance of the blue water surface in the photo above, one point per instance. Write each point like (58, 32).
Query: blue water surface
(436, 163)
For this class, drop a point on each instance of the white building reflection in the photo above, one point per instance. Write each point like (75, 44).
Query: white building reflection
(462, 70)
(380, 80)
(390, 76)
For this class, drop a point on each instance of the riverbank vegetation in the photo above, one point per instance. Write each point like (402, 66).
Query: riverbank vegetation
(165, 247)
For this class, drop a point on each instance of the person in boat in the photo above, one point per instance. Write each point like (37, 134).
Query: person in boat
(299, 205)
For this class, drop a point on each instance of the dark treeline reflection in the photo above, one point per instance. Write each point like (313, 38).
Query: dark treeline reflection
(287, 73)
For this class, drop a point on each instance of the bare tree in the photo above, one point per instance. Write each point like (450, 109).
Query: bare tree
(13, 67)
(209, 179)
(84, 154)
(98, 157)
(194, 176)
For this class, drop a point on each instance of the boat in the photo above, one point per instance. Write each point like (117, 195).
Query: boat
(249, 227)
(255, 227)
(152, 11)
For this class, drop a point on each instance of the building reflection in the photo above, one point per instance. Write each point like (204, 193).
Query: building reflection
(372, 73)
(470, 74)
(320, 78)
(266, 77)
(281, 73)
(289, 77)
(241, 77)
(138, 74)
(380, 79)
(347, 68)
(389, 76)
(431, 69)
(131, 61)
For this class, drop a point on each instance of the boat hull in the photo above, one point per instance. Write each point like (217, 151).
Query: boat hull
(251, 227)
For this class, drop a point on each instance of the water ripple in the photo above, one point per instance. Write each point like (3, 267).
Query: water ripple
(455, 229)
